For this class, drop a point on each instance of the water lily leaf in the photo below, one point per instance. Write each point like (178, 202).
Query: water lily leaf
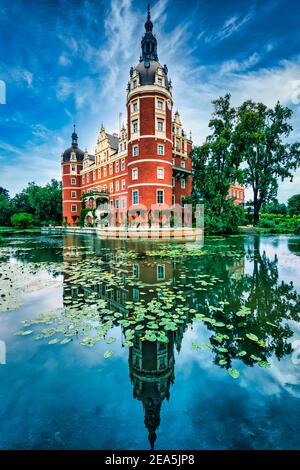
(107, 354)
(66, 340)
(233, 372)
(196, 345)
(242, 353)
(53, 341)
(264, 364)
(222, 362)
(111, 340)
(252, 337)
(128, 344)
(255, 358)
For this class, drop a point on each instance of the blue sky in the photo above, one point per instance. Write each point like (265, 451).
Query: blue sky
(64, 60)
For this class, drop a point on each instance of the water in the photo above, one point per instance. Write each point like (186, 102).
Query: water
(175, 395)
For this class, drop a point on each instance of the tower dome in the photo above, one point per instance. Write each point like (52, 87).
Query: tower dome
(66, 156)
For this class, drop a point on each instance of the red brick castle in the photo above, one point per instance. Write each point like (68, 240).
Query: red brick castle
(147, 163)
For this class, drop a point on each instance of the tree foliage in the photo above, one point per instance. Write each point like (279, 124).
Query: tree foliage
(216, 167)
(44, 203)
(260, 136)
(294, 205)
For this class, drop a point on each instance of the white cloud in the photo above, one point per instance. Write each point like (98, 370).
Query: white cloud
(229, 27)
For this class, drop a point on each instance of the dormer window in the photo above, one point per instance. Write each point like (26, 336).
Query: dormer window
(134, 83)
(159, 81)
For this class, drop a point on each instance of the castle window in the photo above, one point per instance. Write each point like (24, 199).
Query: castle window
(135, 106)
(159, 104)
(159, 81)
(99, 173)
(173, 199)
(88, 178)
(160, 272)
(182, 164)
(123, 164)
(136, 294)
(135, 197)
(160, 196)
(124, 145)
(135, 150)
(176, 130)
(135, 126)
(173, 182)
(74, 167)
(136, 271)
(111, 204)
(160, 149)
(110, 169)
(111, 187)
(134, 83)
(135, 173)
(83, 179)
(160, 173)
(94, 175)
(73, 180)
(117, 167)
(123, 184)
(160, 126)
(73, 193)
(105, 188)
(121, 147)
(74, 208)
(117, 186)
(123, 203)
(182, 183)
(177, 144)
(104, 171)
(117, 203)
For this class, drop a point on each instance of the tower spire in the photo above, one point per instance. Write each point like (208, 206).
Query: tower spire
(74, 137)
(149, 42)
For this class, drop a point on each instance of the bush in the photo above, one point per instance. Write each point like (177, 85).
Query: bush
(297, 229)
(227, 222)
(267, 223)
(22, 220)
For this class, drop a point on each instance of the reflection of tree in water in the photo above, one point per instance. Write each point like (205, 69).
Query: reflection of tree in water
(265, 305)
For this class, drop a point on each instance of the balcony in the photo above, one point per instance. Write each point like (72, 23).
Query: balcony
(179, 172)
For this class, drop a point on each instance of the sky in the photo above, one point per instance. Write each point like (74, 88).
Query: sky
(68, 60)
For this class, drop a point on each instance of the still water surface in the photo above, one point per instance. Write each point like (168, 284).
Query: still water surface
(85, 369)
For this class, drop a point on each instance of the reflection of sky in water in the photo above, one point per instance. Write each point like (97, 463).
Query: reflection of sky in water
(71, 397)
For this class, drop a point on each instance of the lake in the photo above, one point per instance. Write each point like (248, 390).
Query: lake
(111, 344)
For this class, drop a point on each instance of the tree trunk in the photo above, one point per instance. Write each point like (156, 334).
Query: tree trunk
(256, 208)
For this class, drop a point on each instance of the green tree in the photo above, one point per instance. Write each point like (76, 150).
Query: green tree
(22, 220)
(43, 202)
(216, 167)
(6, 208)
(260, 138)
(274, 207)
(294, 205)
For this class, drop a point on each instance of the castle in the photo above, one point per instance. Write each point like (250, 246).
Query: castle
(148, 163)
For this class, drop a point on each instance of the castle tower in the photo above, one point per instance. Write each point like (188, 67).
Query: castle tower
(149, 117)
(71, 162)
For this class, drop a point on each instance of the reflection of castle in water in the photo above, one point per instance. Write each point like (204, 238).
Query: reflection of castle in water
(151, 364)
